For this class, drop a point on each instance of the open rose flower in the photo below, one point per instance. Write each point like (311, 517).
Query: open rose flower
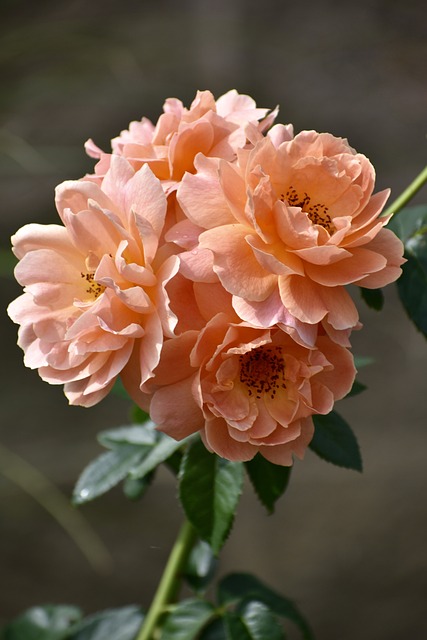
(95, 302)
(214, 128)
(295, 221)
(247, 390)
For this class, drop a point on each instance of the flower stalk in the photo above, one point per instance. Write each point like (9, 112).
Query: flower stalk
(170, 582)
(408, 194)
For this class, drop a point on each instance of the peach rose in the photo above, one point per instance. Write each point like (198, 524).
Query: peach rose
(95, 296)
(246, 389)
(214, 128)
(287, 227)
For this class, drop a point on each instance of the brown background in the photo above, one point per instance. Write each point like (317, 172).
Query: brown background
(351, 549)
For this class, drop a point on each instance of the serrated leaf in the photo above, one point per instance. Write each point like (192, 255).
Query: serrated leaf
(235, 628)
(209, 491)
(106, 471)
(269, 480)
(335, 442)
(410, 222)
(50, 622)
(411, 226)
(259, 621)
(119, 390)
(141, 434)
(200, 567)
(135, 488)
(374, 298)
(358, 387)
(160, 452)
(236, 588)
(113, 624)
(138, 415)
(363, 361)
(187, 619)
(215, 631)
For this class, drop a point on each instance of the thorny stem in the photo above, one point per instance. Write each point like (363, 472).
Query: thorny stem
(408, 194)
(170, 581)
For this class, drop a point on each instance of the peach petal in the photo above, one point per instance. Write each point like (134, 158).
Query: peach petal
(235, 264)
(302, 299)
(359, 263)
(197, 265)
(217, 439)
(342, 311)
(175, 411)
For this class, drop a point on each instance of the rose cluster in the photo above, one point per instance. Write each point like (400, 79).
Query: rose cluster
(205, 262)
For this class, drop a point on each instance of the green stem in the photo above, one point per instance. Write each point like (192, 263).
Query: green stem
(170, 581)
(408, 194)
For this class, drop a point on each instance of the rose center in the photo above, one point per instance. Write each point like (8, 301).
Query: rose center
(93, 288)
(263, 371)
(316, 212)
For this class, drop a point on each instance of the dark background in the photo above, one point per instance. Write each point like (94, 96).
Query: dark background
(351, 549)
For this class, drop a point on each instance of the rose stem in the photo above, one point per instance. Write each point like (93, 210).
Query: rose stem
(170, 580)
(408, 194)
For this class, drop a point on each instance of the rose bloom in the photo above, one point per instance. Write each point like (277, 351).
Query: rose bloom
(287, 227)
(246, 389)
(214, 128)
(95, 302)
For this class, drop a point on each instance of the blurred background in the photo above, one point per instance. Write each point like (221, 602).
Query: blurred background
(351, 549)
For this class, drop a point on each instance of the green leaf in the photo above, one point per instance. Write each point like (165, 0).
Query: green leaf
(358, 387)
(143, 434)
(236, 588)
(411, 226)
(119, 390)
(269, 480)
(160, 452)
(113, 624)
(187, 619)
(259, 621)
(135, 488)
(209, 491)
(410, 222)
(138, 415)
(215, 631)
(335, 442)
(201, 565)
(363, 361)
(235, 628)
(51, 622)
(106, 471)
(374, 298)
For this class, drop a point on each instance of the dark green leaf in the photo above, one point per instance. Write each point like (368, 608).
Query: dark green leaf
(259, 621)
(106, 471)
(215, 631)
(410, 222)
(51, 622)
(201, 565)
(187, 619)
(335, 442)
(119, 390)
(235, 628)
(363, 361)
(113, 624)
(374, 298)
(357, 388)
(238, 587)
(209, 491)
(161, 451)
(138, 415)
(135, 488)
(269, 480)
(143, 434)
(411, 226)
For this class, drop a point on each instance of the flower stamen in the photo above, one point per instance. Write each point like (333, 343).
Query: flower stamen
(317, 213)
(263, 371)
